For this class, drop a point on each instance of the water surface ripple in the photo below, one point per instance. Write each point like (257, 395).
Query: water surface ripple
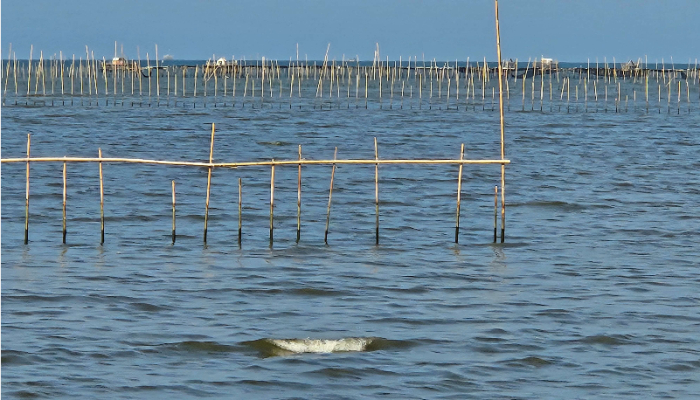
(593, 295)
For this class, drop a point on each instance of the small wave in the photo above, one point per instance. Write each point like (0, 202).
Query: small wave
(282, 347)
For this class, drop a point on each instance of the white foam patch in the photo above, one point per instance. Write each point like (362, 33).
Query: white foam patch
(322, 345)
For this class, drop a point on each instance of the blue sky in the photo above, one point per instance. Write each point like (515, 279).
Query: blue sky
(441, 29)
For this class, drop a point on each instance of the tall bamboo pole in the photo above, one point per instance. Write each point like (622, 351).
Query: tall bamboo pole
(495, 213)
(240, 209)
(174, 236)
(26, 204)
(459, 193)
(299, 197)
(330, 196)
(503, 144)
(64, 202)
(272, 201)
(102, 200)
(211, 159)
(376, 192)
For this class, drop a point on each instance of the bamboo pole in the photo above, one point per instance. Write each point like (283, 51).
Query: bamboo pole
(102, 201)
(174, 236)
(459, 194)
(240, 209)
(330, 196)
(495, 213)
(64, 202)
(272, 201)
(249, 163)
(376, 192)
(26, 204)
(211, 158)
(299, 197)
(503, 144)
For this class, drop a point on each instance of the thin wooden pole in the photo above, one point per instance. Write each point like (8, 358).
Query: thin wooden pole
(174, 236)
(211, 159)
(240, 209)
(459, 194)
(26, 204)
(64, 202)
(495, 213)
(376, 192)
(272, 201)
(102, 201)
(330, 196)
(503, 144)
(299, 197)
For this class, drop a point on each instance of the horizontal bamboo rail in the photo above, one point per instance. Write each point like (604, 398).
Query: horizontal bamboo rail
(245, 163)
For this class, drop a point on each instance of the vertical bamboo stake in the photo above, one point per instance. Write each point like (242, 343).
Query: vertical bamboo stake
(173, 185)
(376, 192)
(459, 193)
(299, 197)
(64, 202)
(26, 204)
(495, 213)
(102, 201)
(503, 144)
(272, 200)
(330, 196)
(240, 209)
(211, 159)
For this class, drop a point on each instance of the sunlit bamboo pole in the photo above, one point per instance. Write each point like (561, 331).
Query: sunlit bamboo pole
(240, 209)
(459, 194)
(299, 197)
(26, 204)
(102, 201)
(211, 159)
(376, 192)
(173, 234)
(272, 201)
(330, 196)
(503, 148)
(65, 192)
(249, 163)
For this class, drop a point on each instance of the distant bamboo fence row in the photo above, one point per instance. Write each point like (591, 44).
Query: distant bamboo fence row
(271, 163)
(534, 85)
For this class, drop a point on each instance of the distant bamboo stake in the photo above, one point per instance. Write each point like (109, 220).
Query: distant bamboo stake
(330, 196)
(102, 201)
(211, 158)
(503, 144)
(376, 191)
(459, 194)
(173, 182)
(299, 197)
(240, 209)
(272, 201)
(64, 202)
(26, 204)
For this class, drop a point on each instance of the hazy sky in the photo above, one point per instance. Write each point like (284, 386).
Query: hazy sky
(567, 30)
